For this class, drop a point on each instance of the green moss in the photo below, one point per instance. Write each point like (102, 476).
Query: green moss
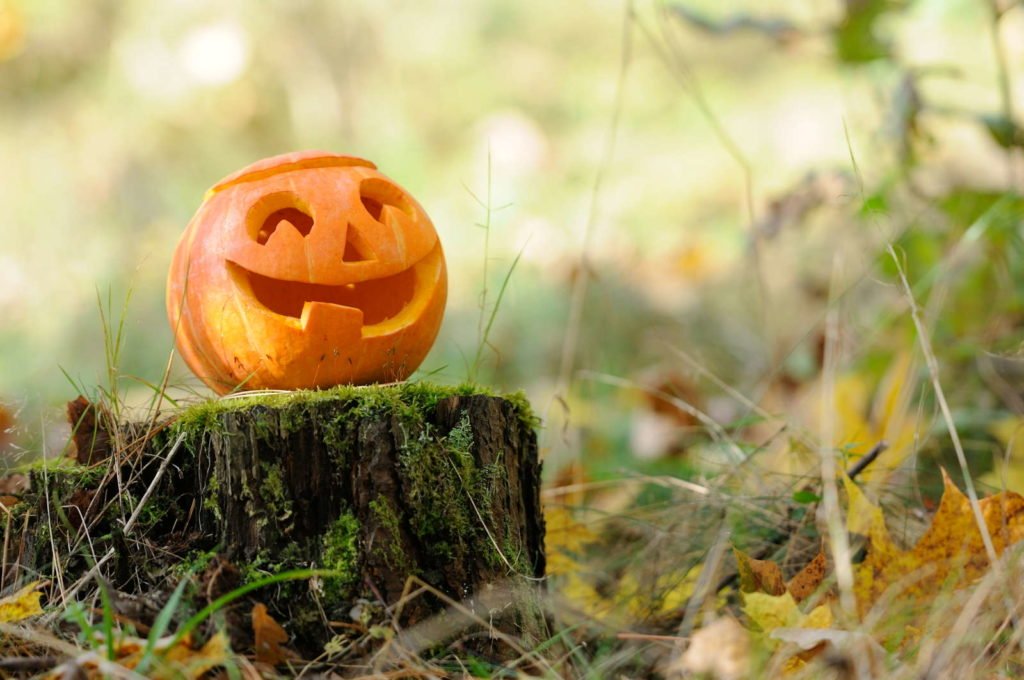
(264, 422)
(340, 553)
(273, 497)
(193, 563)
(266, 563)
(523, 409)
(211, 500)
(365, 400)
(485, 482)
(447, 491)
(65, 475)
(439, 513)
(460, 444)
(385, 515)
(150, 515)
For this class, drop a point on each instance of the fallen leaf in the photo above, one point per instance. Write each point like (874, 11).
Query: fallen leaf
(270, 638)
(22, 604)
(864, 419)
(6, 416)
(177, 661)
(765, 576)
(197, 663)
(565, 540)
(88, 432)
(949, 555)
(809, 579)
(759, 576)
(858, 646)
(720, 649)
(769, 612)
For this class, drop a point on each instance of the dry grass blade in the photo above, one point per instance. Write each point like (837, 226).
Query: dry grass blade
(409, 643)
(924, 340)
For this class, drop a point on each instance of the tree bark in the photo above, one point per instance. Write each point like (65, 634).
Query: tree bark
(374, 485)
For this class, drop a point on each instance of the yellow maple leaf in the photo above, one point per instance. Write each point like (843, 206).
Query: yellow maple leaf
(173, 659)
(771, 603)
(565, 539)
(865, 518)
(863, 421)
(950, 554)
(22, 604)
(769, 612)
(183, 661)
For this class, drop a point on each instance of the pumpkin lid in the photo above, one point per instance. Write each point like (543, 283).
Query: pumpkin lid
(286, 162)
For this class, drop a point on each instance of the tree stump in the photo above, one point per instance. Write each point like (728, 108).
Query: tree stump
(373, 485)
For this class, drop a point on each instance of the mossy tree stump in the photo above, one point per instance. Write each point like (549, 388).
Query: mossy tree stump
(373, 484)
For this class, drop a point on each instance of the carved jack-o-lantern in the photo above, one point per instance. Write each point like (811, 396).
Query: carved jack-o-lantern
(306, 270)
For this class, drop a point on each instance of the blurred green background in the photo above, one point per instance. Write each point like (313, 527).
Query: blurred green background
(691, 163)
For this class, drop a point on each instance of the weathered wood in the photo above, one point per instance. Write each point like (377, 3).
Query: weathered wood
(374, 484)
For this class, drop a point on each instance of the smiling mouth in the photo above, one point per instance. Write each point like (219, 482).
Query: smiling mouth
(378, 299)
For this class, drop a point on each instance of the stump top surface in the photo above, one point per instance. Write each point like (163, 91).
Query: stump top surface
(416, 396)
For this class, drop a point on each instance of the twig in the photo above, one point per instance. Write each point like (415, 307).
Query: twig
(705, 586)
(152, 485)
(647, 636)
(128, 526)
(867, 459)
(458, 616)
(24, 664)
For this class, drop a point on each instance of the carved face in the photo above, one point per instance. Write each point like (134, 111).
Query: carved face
(306, 270)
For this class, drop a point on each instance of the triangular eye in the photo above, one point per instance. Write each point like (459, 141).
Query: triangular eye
(302, 222)
(373, 206)
(375, 193)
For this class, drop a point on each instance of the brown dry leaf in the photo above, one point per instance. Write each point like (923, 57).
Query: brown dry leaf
(22, 604)
(6, 416)
(951, 553)
(809, 579)
(88, 433)
(759, 576)
(270, 637)
(765, 576)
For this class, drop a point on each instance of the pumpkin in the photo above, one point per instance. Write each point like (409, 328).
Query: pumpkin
(306, 270)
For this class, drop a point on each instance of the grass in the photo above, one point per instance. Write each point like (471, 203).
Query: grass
(750, 456)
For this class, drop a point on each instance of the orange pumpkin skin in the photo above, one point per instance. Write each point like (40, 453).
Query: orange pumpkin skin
(306, 270)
